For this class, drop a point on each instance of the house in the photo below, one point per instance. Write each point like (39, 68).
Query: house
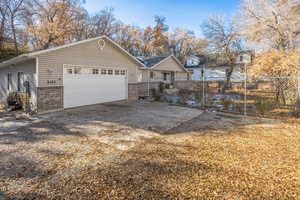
(163, 69)
(214, 69)
(87, 72)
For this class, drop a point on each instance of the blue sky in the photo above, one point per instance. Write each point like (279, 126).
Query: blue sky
(187, 14)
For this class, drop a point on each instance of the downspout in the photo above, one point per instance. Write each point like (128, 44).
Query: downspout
(174, 79)
(148, 82)
(37, 82)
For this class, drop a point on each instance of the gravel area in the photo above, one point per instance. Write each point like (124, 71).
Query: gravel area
(146, 150)
(46, 149)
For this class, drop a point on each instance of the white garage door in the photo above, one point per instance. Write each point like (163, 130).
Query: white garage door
(86, 85)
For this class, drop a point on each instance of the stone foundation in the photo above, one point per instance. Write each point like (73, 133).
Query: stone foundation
(50, 99)
(187, 85)
(141, 89)
(133, 91)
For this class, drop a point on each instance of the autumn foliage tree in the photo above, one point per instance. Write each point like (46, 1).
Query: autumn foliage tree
(52, 23)
(282, 69)
(276, 64)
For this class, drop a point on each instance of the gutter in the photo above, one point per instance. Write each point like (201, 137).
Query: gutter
(16, 60)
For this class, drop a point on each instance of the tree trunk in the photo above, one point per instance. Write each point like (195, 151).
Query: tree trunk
(2, 35)
(12, 21)
(228, 79)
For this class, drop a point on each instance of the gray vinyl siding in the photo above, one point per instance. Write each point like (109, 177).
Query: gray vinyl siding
(50, 65)
(29, 69)
(169, 64)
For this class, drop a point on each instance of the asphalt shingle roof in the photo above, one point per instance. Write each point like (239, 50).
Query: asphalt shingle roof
(151, 61)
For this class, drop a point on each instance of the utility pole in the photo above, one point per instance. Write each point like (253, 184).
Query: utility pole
(245, 94)
(203, 85)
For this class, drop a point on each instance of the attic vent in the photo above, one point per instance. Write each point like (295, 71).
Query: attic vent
(101, 44)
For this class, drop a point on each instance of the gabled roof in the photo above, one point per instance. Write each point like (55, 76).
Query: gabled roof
(28, 56)
(152, 62)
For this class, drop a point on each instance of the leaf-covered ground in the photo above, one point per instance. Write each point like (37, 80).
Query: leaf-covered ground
(213, 156)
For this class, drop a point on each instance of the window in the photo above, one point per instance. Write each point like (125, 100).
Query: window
(95, 71)
(226, 72)
(117, 72)
(165, 76)
(151, 75)
(242, 69)
(27, 88)
(9, 81)
(77, 70)
(103, 71)
(188, 76)
(69, 71)
(20, 82)
(110, 71)
(123, 72)
(241, 58)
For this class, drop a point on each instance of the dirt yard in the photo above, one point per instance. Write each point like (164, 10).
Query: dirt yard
(149, 151)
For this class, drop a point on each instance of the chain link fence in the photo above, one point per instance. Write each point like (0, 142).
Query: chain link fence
(268, 96)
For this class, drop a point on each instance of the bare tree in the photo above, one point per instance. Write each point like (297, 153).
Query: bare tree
(271, 24)
(224, 41)
(183, 43)
(15, 8)
(3, 22)
(103, 23)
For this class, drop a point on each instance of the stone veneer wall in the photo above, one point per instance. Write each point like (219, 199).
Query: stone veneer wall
(50, 99)
(133, 91)
(186, 84)
(141, 89)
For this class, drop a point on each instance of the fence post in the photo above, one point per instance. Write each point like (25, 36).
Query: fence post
(245, 92)
(203, 88)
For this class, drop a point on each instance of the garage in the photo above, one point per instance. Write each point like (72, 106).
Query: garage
(86, 85)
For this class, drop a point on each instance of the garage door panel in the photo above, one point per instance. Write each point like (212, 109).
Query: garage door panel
(87, 89)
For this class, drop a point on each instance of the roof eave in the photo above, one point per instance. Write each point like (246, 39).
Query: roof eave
(34, 54)
(16, 60)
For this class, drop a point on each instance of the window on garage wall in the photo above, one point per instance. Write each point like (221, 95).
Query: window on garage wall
(77, 70)
(103, 71)
(69, 71)
(110, 72)
(117, 72)
(95, 71)
(123, 72)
